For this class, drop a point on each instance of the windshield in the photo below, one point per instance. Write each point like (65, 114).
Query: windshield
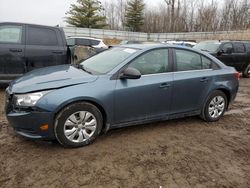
(208, 46)
(104, 62)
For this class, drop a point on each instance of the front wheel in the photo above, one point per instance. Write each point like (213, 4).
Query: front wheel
(246, 72)
(78, 124)
(215, 106)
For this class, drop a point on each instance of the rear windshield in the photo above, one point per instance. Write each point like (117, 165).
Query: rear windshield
(208, 46)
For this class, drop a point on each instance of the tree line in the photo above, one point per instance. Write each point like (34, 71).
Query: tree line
(167, 16)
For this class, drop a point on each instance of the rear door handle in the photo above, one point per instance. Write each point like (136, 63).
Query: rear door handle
(57, 52)
(164, 85)
(15, 50)
(204, 80)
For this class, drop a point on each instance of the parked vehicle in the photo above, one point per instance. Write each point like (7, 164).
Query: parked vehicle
(124, 42)
(97, 44)
(232, 53)
(122, 86)
(127, 42)
(82, 48)
(181, 43)
(24, 47)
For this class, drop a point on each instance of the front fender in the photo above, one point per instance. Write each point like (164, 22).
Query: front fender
(99, 93)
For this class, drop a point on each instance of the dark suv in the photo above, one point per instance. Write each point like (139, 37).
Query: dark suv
(25, 47)
(232, 53)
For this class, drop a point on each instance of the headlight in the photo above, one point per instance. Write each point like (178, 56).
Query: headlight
(28, 100)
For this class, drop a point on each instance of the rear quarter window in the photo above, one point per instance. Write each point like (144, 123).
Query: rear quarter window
(95, 42)
(41, 36)
(83, 42)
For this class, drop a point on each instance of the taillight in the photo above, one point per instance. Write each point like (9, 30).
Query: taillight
(237, 75)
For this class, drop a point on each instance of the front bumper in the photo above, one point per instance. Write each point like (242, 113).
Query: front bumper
(28, 124)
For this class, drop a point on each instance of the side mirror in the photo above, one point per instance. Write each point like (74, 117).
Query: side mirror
(220, 52)
(130, 73)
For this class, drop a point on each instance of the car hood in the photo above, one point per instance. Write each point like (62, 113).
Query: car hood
(50, 78)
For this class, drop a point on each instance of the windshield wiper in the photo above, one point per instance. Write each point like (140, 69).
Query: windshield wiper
(204, 50)
(84, 69)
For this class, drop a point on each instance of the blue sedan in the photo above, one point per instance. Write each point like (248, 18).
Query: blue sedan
(123, 86)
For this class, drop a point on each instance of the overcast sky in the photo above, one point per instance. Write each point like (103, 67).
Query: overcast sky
(46, 12)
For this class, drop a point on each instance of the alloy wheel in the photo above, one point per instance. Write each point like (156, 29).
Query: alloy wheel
(216, 107)
(80, 126)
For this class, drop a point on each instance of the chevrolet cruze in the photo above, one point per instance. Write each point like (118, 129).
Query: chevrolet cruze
(123, 86)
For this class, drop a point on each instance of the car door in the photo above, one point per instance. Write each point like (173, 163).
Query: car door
(240, 56)
(226, 54)
(43, 47)
(192, 79)
(12, 60)
(150, 96)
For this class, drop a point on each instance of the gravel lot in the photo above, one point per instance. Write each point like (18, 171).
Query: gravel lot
(180, 153)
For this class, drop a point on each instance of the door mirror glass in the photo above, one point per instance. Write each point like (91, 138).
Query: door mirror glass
(130, 73)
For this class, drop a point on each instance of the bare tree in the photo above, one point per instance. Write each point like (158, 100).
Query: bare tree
(184, 15)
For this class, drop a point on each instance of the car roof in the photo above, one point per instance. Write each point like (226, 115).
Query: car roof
(155, 46)
(224, 41)
(152, 46)
(20, 23)
(72, 37)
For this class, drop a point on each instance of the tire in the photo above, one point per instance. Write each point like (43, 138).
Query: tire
(219, 104)
(246, 73)
(78, 125)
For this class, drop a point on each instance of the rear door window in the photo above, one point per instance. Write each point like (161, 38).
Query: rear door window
(187, 60)
(247, 47)
(239, 48)
(83, 42)
(41, 36)
(95, 42)
(206, 63)
(11, 34)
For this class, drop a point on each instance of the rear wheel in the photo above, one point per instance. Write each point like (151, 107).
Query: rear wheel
(78, 124)
(215, 106)
(246, 72)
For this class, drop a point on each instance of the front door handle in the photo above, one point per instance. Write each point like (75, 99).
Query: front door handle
(15, 50)
(164, 85)
(57, 52)
(204, 80)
